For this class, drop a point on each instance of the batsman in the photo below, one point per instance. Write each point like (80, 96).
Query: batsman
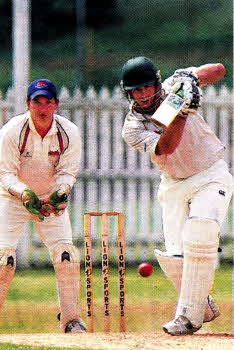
(39, 160)
(196, 186)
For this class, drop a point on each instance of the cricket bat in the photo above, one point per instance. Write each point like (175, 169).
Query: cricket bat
(168, 110)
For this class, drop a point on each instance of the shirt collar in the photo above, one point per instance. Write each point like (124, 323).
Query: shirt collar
(139, 116)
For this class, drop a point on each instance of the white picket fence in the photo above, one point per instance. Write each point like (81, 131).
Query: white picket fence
(115, 177)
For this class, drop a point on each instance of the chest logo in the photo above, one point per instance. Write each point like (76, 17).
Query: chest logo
(28, 155)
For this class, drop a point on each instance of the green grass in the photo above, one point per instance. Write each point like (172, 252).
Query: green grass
(31, 305)
(27, 347)
(39, 286)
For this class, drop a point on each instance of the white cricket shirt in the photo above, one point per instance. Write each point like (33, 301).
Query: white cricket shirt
(45, 162)
(198, 149)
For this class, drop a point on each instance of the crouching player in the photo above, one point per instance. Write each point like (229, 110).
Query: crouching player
(39, 160)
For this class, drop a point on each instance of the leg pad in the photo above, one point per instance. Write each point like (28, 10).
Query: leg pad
(172, 267)
(7, 271)
(200, 254)
(66, 261)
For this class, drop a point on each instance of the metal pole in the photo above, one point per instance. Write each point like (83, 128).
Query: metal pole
(21, 52)
(20, 78)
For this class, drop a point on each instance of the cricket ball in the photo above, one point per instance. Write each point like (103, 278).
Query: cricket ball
(145, 269)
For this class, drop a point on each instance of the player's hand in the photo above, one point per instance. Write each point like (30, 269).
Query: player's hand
(60, 196)
(189, 92)
(192, 96)
(186, 85)
(48, 209)
(32, 203)
(57, 201)
(183, 75)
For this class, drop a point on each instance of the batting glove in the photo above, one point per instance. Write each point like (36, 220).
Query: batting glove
(190, 93)
(183, 75)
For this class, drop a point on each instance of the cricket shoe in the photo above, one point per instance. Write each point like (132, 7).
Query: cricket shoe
(75, 326)
(212, 311)
(180, 326)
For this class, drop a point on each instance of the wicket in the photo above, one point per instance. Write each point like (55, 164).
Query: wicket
(105, 268)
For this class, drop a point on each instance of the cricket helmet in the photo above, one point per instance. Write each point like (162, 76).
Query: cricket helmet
(138, 72)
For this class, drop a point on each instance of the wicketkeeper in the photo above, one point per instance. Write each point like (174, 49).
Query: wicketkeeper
(39, 161)
(196, 186)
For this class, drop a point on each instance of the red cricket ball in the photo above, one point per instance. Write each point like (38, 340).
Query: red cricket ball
(145, 269)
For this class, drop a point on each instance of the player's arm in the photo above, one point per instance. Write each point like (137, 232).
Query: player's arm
(69, 162)
(138, 137)
(8, 175)
(210, 73)
(171, 136)
(9, 165)
(204, 75)
(65, 177)
(195, 76)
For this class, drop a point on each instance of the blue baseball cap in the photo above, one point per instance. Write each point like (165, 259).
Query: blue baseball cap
(41, 87)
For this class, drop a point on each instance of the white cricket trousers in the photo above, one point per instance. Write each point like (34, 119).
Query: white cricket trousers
(13, 216)
(204, 195)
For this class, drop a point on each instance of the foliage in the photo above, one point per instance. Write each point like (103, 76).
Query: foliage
(173, 34)
(5, 23)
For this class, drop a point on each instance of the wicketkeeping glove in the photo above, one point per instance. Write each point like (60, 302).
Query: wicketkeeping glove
(58, 199)
(32, 203)
(60, 196)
